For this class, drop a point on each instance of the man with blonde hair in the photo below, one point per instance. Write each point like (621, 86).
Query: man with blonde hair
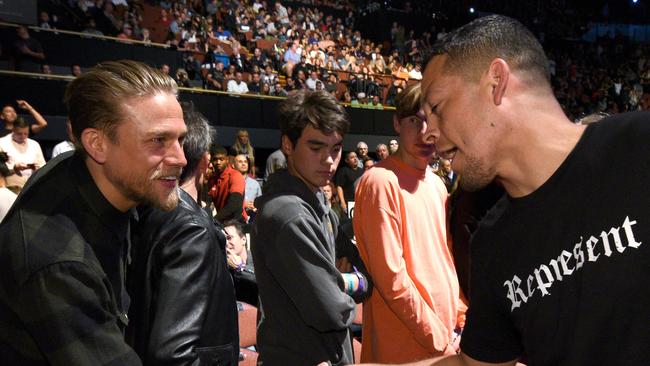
(400, 226)
(64, 245)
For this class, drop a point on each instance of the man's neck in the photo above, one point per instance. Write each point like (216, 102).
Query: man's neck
(108, 190)
(191, 188)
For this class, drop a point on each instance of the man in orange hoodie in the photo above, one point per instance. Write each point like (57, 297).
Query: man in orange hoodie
(400, 226)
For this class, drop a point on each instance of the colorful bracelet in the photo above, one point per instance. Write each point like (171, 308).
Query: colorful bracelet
(362, 286)
(350, 287)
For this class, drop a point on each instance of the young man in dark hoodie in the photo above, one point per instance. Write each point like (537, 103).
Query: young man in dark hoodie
(306, 304)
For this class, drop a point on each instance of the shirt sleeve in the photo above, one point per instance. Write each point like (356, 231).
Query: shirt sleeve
(66, 309)
(308, 276)
(382, 249)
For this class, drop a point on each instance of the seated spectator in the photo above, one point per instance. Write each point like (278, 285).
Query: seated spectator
(291, 85)
(126, 33)
(254, 86)
(182, 79)
(393, 146)
(222, 34)
(278, 90)
(291, 58)
(239, 60)
(25, 155)
(45, 69)
(269, 76)
(29, 55)
(266, 89)
(165, 69)
(415, 72)
(312, 80)
(381, 151)
(75, 70)
(362, 153)
(9, 116)
(375, 103)
(240, 262)
(237, 86)
(258, 59)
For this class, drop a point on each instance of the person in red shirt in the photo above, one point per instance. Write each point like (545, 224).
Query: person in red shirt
(227, 187)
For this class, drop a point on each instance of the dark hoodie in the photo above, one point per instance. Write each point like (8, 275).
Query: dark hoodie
(305, 314)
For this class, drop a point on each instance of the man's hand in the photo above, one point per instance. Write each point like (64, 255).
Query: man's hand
(24, 105)
(250, 205)
(343, 265)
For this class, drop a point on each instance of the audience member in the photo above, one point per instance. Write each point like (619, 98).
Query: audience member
(252, 190)
(9, 116)
(242, 145)
(183, 306)
(448, 176)
(226, 187)
(237, 85)
(382, 152)
(67, 145)
(345, 178)
(64, 244)
(332, 201)
(393, 146)
(276, 161)
(29, 55)
(7, 197)
(240, 262)
(25, 155)
(400, 227)
(306, 303)
(362, 152)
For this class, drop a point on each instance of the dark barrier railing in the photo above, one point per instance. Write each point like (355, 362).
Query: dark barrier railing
(222, 109)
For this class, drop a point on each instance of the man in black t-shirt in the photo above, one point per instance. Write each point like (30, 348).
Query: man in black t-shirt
(560, 265)
(345, 178)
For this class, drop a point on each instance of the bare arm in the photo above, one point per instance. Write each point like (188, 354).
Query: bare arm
(456, 360)
(41, 123)
(339, 192)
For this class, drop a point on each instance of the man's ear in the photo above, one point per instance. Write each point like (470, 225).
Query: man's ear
(95, 143)
(287, 145)
(498, 76)
(396, 124)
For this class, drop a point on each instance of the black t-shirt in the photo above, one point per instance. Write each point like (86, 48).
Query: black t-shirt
(345, 178)
(561, 274)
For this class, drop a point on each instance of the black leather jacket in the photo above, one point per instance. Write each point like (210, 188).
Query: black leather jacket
(183, 309)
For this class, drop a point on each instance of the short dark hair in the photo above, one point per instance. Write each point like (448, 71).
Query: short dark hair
(197, 140)
(317, 108)
(239, 227)
(473, 46)
(20, 122)
(218, 150)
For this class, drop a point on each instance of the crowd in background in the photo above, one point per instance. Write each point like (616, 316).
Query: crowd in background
(315, 40)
